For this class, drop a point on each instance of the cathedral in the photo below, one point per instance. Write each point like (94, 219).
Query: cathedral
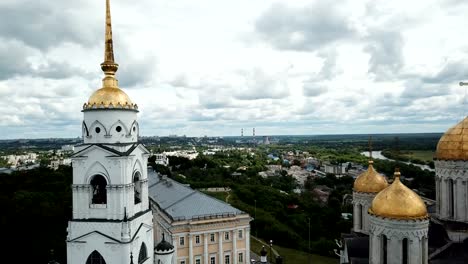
(123, 211)
(393, 225)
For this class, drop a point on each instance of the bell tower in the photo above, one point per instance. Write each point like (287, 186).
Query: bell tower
(112, 221)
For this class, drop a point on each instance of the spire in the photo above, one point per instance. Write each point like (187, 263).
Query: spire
(109, 67)
(397, 173)
(370, 147)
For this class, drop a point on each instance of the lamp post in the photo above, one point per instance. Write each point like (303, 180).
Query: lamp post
(271, 245)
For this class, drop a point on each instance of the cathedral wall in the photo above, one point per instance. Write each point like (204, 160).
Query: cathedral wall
(108, 122)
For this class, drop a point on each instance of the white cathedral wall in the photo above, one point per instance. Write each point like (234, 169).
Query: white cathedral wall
(119, 173)
(361, 204)
(416, 231)
(107, 120)
(452, 173)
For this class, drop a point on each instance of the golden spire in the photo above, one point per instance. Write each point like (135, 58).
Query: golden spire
(370, 147)
(109, 67)
(110, 96)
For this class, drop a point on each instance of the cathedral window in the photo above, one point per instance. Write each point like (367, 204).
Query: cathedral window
(405, 251)
(384, 249)
(118, 128)
(143, 255)
(137, 186)
(95, 258)
(451, 197)
(99, 195)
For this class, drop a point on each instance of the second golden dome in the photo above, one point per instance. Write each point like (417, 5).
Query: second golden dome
(370, 181)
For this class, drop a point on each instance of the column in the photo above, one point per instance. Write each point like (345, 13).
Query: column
(364, 219)
(460, 200)
(356, 217)
(394, 252)
(376, 249)
(247, 245)
(190, 250)
(205, 248)
(175, 243)
(446, 197)
(234, 246)
(220, 247)
(414, 251)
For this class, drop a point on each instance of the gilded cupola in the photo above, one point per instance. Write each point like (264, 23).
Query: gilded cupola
(370, 181)
(453, 145)
(398, 202)
(110, 96)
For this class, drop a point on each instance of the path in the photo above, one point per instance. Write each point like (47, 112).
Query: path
(267, 246)
(227, 197)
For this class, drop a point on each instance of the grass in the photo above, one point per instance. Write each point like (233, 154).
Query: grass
(292, 256)
(424, 155)
(218, 195)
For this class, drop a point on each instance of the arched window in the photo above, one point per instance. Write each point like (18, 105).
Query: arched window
(384, 249)
(361, 215)
(143, 255)
(95, 258)
(451, 201)
(98, 184)
(137, 184)
(405, 251)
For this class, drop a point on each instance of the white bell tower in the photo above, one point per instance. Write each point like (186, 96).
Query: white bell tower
(112, 221)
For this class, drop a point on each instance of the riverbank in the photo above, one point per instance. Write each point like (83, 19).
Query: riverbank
(379, 155)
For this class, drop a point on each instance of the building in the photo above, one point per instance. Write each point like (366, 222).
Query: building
(201, 228)
(111, 220)
(400, 227)
(161, 159)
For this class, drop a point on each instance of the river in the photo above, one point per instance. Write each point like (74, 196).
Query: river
(378, 155)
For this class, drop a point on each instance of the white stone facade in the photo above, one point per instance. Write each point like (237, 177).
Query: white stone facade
(119, 224)
(452, 190)
(361, 203)
(395, 239)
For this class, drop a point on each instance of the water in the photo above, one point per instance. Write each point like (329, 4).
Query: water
(378, 155)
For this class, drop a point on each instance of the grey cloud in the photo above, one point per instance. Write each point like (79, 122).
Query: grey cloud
(312, 89)
(453, 72)
(42, 24)
(260, 85)
(13, 60)
(303, 29)
(385, 49)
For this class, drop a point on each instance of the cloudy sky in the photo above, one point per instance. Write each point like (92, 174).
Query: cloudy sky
(212, 67)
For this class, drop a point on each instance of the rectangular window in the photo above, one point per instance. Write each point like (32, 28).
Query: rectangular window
(241, 257)
(182, 262)
(212, 237)
(226, 259)
(226, 235)
(197, 261)
(213, 260)
(197, 239)
(240, 234)
(181, 241)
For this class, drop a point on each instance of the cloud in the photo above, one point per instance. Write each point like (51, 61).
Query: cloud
(261, 85)
(386, 56)
(303, 28)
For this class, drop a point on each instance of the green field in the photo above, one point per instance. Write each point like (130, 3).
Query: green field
(292, 256)
(424, 155)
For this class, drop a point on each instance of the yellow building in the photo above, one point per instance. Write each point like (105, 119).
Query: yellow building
(202, 229)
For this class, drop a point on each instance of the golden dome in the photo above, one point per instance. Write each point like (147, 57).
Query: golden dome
(453, 145)
(109, 97)
(399, 202)
(370, 181)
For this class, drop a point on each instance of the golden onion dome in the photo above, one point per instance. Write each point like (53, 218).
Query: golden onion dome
(399, 202)
(453, 145)
(370, 181)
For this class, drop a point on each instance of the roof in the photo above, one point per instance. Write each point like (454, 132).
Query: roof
(181, 202)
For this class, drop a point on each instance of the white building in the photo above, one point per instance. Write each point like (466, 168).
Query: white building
(111, 219)
(201, 228)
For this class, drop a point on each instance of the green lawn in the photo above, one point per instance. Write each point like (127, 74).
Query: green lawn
(425, 155)
(292, 256)
(218, 195)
